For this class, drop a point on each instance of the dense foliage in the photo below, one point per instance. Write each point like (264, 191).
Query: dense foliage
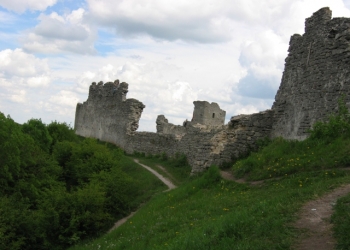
(55, 188)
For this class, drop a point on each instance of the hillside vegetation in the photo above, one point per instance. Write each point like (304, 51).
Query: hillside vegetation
(57, 189)
(207, 212)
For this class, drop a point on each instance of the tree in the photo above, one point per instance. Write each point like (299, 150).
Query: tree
(39, 132)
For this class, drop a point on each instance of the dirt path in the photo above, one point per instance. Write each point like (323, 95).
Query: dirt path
(162, 178)
(166, 172)
(314, 217)
(227, 175)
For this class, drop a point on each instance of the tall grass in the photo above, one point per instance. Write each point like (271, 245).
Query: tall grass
(341, 220)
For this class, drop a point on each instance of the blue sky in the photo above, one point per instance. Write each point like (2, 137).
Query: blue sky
(170, 52)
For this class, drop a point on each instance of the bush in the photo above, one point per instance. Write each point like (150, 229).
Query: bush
(337, 125)
(163, 156)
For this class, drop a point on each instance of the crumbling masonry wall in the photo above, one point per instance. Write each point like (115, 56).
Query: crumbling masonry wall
(316, 75)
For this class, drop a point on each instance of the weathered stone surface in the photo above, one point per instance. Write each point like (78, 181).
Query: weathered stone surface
(164, 127)
(107, 114)
(316, 75)
(208, 113)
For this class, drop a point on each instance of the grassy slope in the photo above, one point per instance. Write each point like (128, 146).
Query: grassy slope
(210, 213)
(147, 182)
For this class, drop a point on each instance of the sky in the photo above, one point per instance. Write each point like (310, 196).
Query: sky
(170, 52)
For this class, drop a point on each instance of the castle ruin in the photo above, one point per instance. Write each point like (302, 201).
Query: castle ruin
(316, 75)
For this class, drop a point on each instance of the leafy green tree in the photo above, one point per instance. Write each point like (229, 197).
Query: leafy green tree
(61, 132)
(9, 153)
(39, 132)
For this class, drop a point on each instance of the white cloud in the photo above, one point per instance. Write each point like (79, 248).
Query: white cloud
(39, 81)
(23, 5)
(18, 63)
(19, 97)
(22, 78)
(61, 33)
(207, 21)
(202, 21)
(65, 98)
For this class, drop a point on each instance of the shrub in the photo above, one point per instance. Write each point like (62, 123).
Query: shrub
(336, 126)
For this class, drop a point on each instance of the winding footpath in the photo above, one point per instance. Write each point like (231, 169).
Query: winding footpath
(165, 180)
(160, 177)
(314, 217)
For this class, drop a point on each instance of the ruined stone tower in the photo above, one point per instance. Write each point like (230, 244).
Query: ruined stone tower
(107, 114)
(208, 113)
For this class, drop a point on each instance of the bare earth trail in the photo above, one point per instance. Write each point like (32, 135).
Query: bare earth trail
(314, 217)
(166, 181)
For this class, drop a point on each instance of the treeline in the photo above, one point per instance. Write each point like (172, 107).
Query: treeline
(56, 188)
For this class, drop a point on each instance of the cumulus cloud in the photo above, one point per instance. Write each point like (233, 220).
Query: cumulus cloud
(23, 5)
(65, 98)
(61, 33)
(263, 59)
(22, 78)
(208, 21)
(23, 69)
(201, 21)
(19, 63)
(19, 96)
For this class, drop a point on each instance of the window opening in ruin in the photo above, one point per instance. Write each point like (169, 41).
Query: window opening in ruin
(213, 115)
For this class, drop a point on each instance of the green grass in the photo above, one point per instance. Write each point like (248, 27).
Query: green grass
(282, 158)
(210, 213)
(147, 183)
(341, 220)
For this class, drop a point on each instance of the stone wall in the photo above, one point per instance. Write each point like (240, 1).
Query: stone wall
(164, 127)
(316, 75)
(206, 145)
